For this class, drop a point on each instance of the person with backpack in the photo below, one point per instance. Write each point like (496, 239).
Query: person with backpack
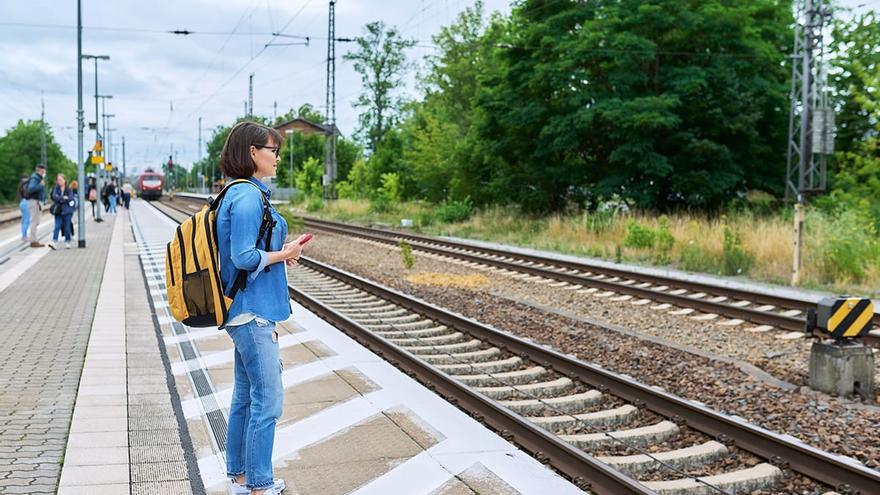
(36, 196)
(251, 247)
(92, 196)
(63, 206)
(23, 206)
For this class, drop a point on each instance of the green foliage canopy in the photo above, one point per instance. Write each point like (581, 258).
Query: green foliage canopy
(20, 153)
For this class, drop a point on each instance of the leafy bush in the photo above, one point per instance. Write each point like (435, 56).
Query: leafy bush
(390, 189)
(425, 219)
(409, 260)
(455, 211)
(294, 223)
(345, 190)
(664, 240)
(734, 258)
(639, 236)
(696, 259)
(308, 178)
(381, 204)
(314, 203)
(851, 247)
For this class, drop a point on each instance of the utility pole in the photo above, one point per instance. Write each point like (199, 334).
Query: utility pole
(329, 178)
(98, 166)
(810, 122)
(200, 140)
(43, 130)
(250, 112)
(80, 167)
(123, 158)
(275, 112)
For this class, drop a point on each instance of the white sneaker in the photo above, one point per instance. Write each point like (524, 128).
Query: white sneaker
(66, 245)
(51, 245)
(276, 489)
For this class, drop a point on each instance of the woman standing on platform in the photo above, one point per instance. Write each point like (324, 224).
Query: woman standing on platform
(63, 206)
(251, 258)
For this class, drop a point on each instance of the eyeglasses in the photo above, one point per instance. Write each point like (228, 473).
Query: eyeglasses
(274, 149)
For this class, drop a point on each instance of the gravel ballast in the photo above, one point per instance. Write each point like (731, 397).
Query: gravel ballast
(837, 425)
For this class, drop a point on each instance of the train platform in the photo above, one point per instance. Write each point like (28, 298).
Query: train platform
(105, 393)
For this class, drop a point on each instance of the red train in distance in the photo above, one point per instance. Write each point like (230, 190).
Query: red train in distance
(149, 184)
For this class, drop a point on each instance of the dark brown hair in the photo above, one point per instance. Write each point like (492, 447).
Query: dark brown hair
(235, 159)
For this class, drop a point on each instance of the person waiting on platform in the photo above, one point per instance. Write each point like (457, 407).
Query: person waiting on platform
(252, 260)
(36, 196)
(126, 194)
(112, 193)
(63, 206)
(92, 196)
(23, 206)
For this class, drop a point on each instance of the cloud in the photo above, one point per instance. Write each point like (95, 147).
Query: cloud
(203, 74)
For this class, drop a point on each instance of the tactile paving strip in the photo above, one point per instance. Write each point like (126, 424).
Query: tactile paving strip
(163, 453)
(159, 471)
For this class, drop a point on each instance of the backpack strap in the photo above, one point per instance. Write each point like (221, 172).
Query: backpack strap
(267, 224)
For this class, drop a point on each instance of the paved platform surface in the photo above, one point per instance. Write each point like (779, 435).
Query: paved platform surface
(47, 302)
(351, 423)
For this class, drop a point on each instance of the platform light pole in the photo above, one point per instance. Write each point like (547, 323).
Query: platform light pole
(289, 133)
(80, 167)
(98, 170)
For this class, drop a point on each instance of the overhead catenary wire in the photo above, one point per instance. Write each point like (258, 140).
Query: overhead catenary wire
(245, 65)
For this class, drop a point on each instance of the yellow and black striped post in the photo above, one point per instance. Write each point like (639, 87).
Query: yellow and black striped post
(845, 317)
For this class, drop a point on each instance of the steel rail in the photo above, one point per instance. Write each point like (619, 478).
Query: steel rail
(778, 320)
(587, 471)
(839, 472)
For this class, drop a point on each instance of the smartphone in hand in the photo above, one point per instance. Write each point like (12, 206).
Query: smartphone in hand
(306, 238)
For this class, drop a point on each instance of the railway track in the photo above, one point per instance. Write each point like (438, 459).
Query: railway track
(606, 431)
(784, 313)
(738, 305)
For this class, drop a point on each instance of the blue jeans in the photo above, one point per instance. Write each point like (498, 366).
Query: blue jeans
(257, 398)
(63, 224)
(112, 200)
(25, 217)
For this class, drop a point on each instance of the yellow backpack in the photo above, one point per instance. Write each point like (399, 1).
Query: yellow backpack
(192, 266)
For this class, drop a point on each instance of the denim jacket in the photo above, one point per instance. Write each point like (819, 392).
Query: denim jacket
(238, 224)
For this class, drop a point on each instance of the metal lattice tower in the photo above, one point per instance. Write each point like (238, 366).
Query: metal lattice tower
(250, 102)
(811, 120)
(42, 130)
(330, 108)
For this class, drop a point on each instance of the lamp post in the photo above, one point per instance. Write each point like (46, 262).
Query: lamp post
(97, 130)
(289, 133)
(80, 167)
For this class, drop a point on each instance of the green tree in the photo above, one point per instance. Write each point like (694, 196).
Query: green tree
(857, 182)
(855, 52)
(20, 153)
(381, 62)
(308, 178)
(444, 155)
(668, 103)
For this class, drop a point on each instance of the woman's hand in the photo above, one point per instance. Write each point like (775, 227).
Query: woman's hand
(293, 250)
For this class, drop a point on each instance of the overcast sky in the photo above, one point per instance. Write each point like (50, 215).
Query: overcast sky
(161, 83)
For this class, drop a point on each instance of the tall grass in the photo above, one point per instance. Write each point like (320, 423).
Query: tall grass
(841, 252)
